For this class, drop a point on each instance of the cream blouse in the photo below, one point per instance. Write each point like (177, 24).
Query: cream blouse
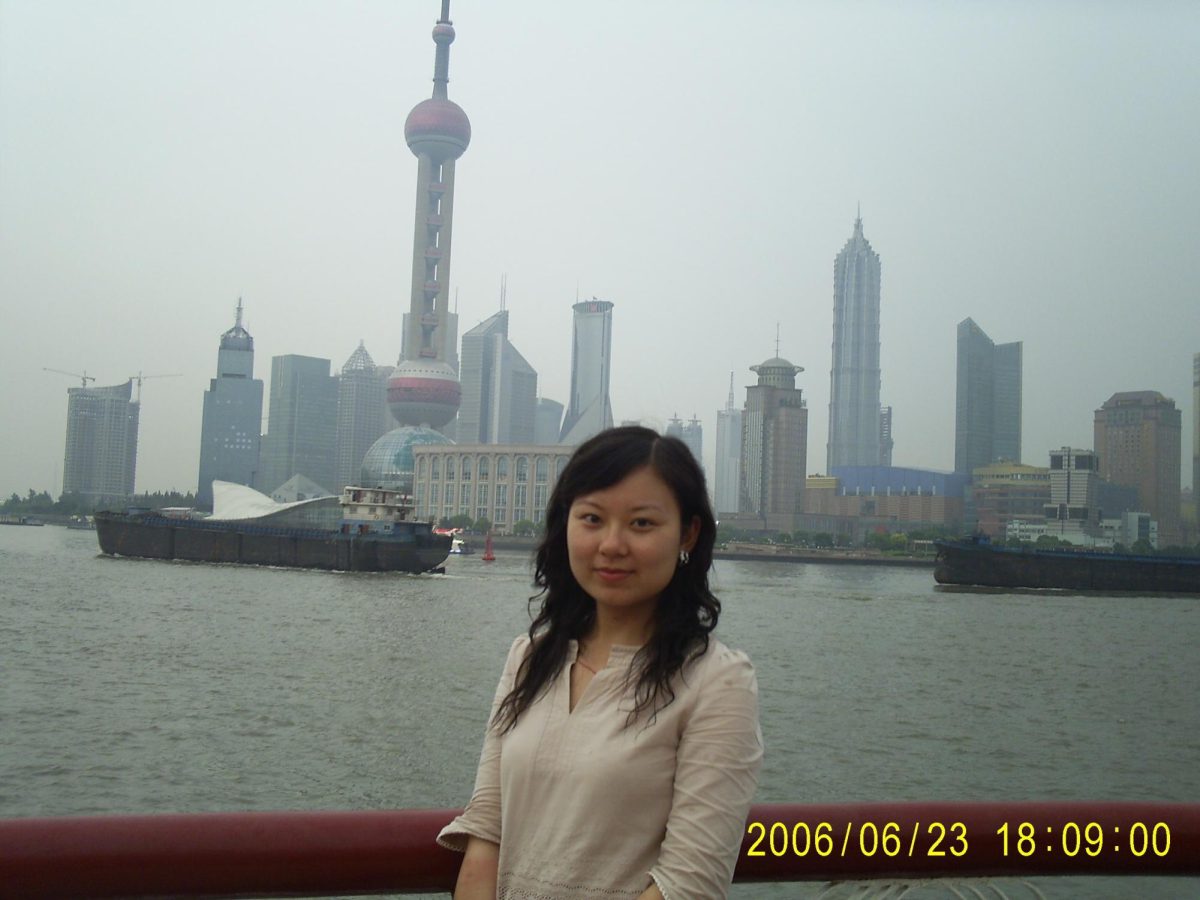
(584, 807)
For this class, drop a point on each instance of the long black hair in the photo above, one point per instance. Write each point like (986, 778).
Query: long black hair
(686, 611)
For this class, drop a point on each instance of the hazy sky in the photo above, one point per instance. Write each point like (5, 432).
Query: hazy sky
(1031, 165)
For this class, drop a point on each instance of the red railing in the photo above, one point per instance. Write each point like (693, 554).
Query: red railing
(326, 853)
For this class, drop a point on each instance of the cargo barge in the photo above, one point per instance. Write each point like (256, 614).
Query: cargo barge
(980, 563)
(374, 535)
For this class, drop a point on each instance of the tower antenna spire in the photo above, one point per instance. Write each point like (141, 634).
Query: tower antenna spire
(776, 338)
(238, 323)
(441, 64)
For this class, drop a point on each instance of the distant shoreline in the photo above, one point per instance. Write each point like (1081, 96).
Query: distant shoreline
(830, 557)
(769, 553)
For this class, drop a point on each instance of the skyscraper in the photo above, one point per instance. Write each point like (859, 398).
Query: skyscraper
(1073, 512)
(854, 429)
(101, 450)
(589, 411)
(301, 423)
(547, 421)
(774, 443)
(692, 435)
(361, 415)
(424, 389)
(232, 421)
(1138, 439)
(1196, 439)
(499, 388)
(987, 406)
(729, 451)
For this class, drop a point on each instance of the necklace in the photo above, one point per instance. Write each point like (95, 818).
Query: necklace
(583, 662)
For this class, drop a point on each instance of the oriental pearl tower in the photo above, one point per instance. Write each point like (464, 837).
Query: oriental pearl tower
(424, 390)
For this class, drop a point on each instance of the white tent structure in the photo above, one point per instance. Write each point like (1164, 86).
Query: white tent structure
(236, 502)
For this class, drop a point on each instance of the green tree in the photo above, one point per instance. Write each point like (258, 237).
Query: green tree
(482, 525)
(1049, 541)
(524, 528)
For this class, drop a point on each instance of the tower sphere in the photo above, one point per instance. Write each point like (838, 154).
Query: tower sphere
(437, 128)
(443, 33)
(424, 392)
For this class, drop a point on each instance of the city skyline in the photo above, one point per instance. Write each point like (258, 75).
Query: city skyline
(1037, 207)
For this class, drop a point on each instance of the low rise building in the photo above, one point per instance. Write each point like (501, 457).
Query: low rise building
(503, 483)
(1003, 492)
(890, 497)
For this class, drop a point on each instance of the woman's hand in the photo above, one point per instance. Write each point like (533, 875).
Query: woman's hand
(477, 875)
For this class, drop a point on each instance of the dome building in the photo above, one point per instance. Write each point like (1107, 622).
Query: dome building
(389, 463)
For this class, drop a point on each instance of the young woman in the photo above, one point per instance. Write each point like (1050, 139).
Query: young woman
(623, 748)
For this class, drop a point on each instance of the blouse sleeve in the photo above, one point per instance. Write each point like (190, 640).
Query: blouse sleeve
(481, 818)
(719, 756)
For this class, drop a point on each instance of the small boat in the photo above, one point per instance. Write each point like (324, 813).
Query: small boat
(81, 523)
(978, 562)
(488, 554)
(21, 520)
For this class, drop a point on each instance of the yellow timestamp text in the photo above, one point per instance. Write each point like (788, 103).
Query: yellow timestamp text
(891, 839)
(1139, 839)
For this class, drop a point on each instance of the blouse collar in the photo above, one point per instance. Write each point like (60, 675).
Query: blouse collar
(621, 655)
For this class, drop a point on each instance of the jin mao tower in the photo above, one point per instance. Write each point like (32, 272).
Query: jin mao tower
(854, 414)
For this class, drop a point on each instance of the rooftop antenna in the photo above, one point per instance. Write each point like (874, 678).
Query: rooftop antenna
(503, 290)
(776, 338)
(729, 402)
(238, 324)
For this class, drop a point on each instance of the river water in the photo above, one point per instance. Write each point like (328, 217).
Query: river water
(148, 686)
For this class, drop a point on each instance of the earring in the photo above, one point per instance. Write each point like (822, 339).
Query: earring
(683, 557)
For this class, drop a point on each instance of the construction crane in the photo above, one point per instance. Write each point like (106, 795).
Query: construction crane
(84, 378)
(139, 378)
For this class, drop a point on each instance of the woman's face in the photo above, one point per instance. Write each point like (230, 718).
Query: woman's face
(623, 542)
